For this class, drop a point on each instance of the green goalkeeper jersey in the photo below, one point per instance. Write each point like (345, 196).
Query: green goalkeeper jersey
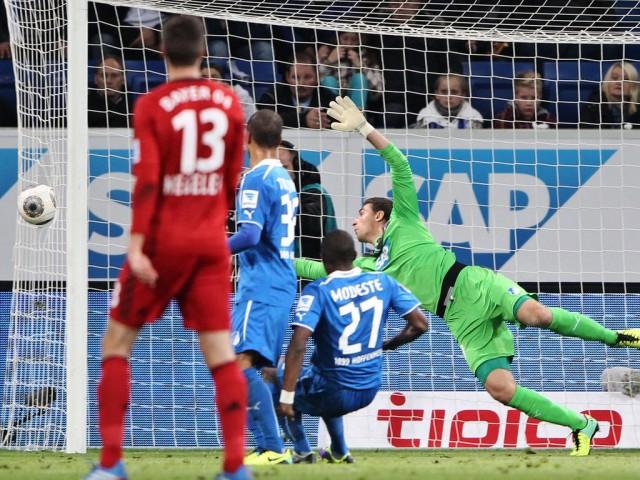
(408, 252)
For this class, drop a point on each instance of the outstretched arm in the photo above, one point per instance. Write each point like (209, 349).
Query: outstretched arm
(309, 269)
(313, 269)
(350, 119)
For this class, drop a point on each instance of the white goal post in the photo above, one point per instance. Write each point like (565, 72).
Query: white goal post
(556, 207)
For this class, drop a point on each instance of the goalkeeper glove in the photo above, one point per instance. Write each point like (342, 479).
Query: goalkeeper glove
(349, 118)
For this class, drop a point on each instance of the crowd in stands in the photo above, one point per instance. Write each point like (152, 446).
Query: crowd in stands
(400, 81)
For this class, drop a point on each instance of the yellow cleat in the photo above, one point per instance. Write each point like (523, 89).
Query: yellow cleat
(628, 338)
(268, 457)
(252, 454)
(582, 438)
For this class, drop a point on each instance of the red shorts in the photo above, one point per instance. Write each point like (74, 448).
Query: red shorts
(200, 285)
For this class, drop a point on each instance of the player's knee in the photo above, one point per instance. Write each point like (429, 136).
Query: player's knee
(269, 374)
(118, 340)
(534, 314)
(544, 316)
(244, 360)
(500, 388)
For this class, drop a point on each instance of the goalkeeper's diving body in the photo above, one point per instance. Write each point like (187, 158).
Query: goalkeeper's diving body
(475, 302)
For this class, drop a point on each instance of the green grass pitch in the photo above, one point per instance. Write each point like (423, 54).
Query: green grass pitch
(382, 465)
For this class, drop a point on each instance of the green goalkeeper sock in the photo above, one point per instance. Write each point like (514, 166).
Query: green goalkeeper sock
(540, 407)
(572, 324)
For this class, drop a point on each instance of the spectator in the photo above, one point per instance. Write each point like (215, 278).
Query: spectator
(107, 104)
(350, 68)
(216, 72)
(300, 101)
(104, 29)
(450, 107)
(615, 105)
(526, 111)
(140, 33)
(9, 117)
(410, 65)
(316, 213)
(5, 46)
(251, 41)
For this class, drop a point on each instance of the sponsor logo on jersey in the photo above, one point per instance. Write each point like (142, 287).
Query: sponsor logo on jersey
(514, 290)
(383, 258)
(305, 302)
(249, 199)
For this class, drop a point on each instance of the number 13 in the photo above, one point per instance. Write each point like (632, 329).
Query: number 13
(187, 122)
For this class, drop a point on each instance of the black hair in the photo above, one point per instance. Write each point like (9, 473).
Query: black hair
(380, 204)
(338, 248)
(296, 155)
(265, 128)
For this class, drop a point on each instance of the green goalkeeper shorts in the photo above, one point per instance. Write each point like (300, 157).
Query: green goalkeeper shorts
(482, 301)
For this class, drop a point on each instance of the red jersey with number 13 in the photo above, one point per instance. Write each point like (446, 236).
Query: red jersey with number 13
(188, 153)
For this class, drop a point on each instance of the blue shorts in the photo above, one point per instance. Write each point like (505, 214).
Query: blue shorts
(259, 327)
(315, 396)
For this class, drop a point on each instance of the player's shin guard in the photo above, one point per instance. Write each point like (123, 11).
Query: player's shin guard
(571, 324)
(262, 410)
(335, 427)
(231, 399)
(113, 398)
(540, 407)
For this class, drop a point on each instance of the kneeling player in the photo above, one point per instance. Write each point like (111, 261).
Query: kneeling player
(346, 313)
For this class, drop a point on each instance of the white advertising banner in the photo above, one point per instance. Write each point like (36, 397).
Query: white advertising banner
(475, 420)
(542, 206)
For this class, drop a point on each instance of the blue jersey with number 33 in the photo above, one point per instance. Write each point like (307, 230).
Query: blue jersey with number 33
(268, 199)
(347, 312)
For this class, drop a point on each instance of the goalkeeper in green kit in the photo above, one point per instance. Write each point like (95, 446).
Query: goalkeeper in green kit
(474, 301)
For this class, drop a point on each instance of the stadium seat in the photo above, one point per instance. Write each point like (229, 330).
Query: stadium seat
(143, 82)
(263, 73)
(6, 72)
(8, 94)
(135, 69)
(491, 84)
(571, 82)
(632, 52)
(258, 70)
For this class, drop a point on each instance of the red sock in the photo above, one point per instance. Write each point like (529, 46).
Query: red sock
(231, 398)
(113, 398)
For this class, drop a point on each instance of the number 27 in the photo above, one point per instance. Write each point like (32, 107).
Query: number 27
(351, 309)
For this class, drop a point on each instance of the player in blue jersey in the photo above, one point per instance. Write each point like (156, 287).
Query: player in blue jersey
(346, 314)
(266, 210)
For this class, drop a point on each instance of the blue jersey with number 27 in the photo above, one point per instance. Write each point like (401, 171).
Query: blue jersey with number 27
(347, 312)
(268, 199)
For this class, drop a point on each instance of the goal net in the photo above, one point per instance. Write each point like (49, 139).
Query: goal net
(520, 125)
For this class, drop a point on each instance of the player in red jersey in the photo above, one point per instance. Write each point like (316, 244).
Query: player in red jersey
(188, 153)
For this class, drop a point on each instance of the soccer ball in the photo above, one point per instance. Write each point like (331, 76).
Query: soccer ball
(37, 205)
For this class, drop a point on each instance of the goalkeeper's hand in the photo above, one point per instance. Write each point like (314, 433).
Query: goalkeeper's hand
(349, 117)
